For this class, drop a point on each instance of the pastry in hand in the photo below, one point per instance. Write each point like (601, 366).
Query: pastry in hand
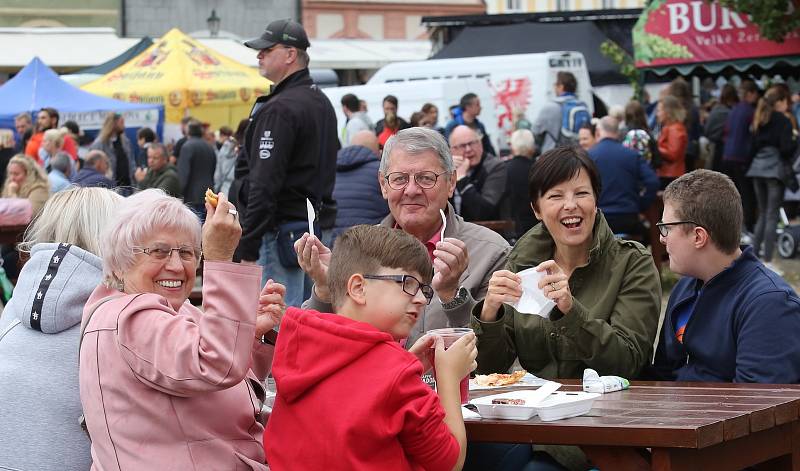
(211, 197)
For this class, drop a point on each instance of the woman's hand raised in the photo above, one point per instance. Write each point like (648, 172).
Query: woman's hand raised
(221, 231)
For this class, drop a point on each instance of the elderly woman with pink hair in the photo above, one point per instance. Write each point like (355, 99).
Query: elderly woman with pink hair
(162, 383)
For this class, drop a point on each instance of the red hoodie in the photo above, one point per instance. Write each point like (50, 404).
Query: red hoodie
(350, 398)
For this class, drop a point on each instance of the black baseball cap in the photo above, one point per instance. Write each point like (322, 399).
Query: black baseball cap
(286, 32)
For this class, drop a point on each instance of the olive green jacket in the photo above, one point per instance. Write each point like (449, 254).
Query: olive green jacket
(610, 328)
(165, 179)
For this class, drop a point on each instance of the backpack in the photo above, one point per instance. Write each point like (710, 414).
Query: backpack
(574, 114)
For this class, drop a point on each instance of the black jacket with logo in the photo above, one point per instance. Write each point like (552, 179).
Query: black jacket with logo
(291, 145)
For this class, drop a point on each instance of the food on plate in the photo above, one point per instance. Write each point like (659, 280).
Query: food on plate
(499, 379)
(509, 401)
(211, 197)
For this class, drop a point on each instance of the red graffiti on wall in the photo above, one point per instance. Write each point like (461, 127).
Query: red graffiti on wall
(511, 97)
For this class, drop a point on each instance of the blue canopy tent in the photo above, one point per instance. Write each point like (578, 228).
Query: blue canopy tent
(36, 86)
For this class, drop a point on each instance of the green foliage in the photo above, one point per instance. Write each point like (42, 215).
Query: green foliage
(652, 46)
(770, 15)
(625, 63)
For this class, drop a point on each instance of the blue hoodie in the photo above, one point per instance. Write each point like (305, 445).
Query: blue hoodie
(744, 328)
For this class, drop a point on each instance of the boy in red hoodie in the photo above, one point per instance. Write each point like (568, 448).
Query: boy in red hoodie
(349, 396)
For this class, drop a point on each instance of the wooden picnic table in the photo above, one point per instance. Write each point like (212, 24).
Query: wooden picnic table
(685, 426)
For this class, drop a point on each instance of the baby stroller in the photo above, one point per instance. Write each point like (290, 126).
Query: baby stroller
(788, 241)
(788, 238)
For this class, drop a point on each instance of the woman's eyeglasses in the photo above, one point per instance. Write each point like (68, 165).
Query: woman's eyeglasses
(410, 284)
(187, 253)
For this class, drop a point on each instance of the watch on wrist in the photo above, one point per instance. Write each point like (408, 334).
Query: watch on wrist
(270, 338)
(460, 298)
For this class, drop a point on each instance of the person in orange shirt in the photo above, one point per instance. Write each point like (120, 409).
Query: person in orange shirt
(672, 141)
(48, 119)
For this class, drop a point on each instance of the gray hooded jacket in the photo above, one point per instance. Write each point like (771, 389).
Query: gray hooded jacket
(39, 396)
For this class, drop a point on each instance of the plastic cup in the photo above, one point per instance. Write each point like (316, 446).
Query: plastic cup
(449, 336)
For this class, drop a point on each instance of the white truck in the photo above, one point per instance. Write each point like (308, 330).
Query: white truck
(507, 85)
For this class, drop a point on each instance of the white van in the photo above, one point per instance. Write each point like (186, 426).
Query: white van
(515, 82)
(411, 96)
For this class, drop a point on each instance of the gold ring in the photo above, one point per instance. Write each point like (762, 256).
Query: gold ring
(553, 286)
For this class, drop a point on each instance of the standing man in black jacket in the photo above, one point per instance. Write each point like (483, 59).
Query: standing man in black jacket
(291, 145)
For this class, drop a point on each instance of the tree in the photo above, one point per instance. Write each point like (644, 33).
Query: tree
(775, 18)
(625, 63)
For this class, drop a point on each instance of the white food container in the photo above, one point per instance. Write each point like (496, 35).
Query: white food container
(561, 405)
(532, 397)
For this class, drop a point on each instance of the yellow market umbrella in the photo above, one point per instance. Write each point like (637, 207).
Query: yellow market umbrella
(187, 78)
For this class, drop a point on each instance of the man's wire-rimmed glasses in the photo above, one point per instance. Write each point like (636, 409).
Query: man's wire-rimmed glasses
(425, 180)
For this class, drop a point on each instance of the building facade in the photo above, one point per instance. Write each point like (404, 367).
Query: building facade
(64, 13)
(378, 19)
(243, 18)
(494, 7)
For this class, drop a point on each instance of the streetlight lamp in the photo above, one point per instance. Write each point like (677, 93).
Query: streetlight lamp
(213, 22)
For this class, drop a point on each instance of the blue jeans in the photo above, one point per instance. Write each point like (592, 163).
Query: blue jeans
(298, 285)
(507, 457)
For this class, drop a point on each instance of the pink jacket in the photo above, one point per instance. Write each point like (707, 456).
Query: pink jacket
(168, 390)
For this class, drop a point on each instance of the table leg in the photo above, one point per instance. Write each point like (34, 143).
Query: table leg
(786, 462)
(617, 457)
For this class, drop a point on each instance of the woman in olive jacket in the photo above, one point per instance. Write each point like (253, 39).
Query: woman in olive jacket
(607, 291)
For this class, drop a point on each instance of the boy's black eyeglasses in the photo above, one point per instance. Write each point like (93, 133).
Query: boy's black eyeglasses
(410, 284)
(663, 227)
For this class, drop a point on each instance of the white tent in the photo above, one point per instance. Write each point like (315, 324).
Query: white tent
(76, 48)
(60, 48)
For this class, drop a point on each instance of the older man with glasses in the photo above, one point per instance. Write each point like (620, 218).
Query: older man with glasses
(417, 177)
(480, 190)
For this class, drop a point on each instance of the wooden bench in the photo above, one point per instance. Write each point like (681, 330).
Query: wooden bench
(12, 234)
(504, 227)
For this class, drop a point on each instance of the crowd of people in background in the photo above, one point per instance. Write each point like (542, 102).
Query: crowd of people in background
(399, 245)
(41, 160)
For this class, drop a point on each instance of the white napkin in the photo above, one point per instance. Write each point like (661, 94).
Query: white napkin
(311, 216)
(533, 300)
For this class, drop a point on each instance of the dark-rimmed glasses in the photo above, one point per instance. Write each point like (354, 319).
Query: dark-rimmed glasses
(425, 180)
(663, 227)
(410, 284)
(463, 147)
(187, 253)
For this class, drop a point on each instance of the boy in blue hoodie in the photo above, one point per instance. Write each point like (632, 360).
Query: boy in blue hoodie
(730, 318)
